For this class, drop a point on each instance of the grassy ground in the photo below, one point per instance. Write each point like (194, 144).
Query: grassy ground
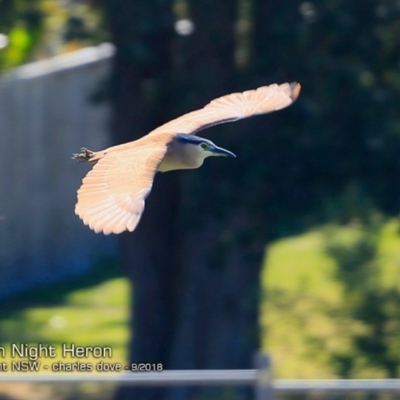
(300, 314)
(303, 313)
(95, 316)
(85, 312)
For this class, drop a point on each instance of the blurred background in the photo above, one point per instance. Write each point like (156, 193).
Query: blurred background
(293, 247)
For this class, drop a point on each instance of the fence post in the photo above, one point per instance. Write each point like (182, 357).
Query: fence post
(263, 387)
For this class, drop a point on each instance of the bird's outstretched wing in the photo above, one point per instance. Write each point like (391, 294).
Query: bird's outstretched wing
(111, 198)
(233, 107)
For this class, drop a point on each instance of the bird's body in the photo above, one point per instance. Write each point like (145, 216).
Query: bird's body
(111, 198)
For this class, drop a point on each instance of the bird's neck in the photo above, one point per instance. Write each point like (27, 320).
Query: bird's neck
(171, 163)
(182, 157)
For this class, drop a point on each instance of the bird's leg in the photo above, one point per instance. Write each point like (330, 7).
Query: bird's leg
(84, 155)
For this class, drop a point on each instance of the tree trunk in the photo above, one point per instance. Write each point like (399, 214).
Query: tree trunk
(142, 32)
(217, 326)
(195, 294)
(218, 316)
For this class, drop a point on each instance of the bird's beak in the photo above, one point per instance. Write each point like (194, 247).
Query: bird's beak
(219, 151)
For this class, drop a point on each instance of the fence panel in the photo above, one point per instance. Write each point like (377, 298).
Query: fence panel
(46, 114)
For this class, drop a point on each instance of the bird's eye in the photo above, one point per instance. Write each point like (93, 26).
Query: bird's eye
(204, 146)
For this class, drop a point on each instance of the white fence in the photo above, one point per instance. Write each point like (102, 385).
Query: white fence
(46, 114)
(261, 378)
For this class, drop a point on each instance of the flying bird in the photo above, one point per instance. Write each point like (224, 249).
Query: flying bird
(112, 196)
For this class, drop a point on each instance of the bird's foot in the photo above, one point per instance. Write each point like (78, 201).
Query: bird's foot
(84, 155)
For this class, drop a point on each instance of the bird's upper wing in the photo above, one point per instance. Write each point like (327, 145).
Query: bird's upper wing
(233, 107)
(111, 198)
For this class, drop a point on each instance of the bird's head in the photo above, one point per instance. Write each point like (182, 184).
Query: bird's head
(199, 148)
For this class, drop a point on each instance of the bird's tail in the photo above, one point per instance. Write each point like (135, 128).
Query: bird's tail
(87, 155)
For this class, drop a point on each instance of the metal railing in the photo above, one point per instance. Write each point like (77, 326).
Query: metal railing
(261, 378)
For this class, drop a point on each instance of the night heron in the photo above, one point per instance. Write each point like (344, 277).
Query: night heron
(111, 198)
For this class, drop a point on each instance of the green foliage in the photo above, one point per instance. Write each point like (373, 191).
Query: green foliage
(332, 302)
(367, 300)
(44, 28)
(342, 132)
(22, 22)
(20, 44)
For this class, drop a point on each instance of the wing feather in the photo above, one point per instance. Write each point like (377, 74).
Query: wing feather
(111, 198)
(233, 107)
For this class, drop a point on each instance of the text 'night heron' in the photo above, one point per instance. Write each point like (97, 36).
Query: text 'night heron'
(111, 198)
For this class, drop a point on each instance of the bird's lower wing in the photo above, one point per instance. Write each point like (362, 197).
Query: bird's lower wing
(111, 198)
(234, 106)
